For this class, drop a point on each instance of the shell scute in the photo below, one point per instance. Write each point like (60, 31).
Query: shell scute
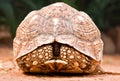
(60, 23)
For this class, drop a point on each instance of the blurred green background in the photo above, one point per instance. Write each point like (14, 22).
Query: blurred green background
(105, 13)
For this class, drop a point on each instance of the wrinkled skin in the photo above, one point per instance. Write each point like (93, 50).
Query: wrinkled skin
(56, 58)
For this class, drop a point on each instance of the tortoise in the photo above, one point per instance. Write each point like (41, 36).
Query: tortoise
(60, 39)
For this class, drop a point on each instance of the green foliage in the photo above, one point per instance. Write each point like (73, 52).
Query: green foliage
(96, 11)
(112, 12)
(12, 12)
(7, 9)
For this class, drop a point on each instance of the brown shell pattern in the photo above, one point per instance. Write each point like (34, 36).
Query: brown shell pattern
(61, 23)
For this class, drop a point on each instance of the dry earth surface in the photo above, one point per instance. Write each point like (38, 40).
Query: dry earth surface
(111, 63)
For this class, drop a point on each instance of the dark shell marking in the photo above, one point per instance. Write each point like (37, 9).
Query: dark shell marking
(68, 61)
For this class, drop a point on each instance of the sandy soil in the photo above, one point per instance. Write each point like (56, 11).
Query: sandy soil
(111, 63)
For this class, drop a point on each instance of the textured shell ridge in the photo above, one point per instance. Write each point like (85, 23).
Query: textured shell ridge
(61, 23)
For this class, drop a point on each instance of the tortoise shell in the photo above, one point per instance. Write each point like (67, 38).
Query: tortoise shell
(58, 38)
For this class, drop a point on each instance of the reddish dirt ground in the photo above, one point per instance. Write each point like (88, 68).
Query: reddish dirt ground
(111, 63)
